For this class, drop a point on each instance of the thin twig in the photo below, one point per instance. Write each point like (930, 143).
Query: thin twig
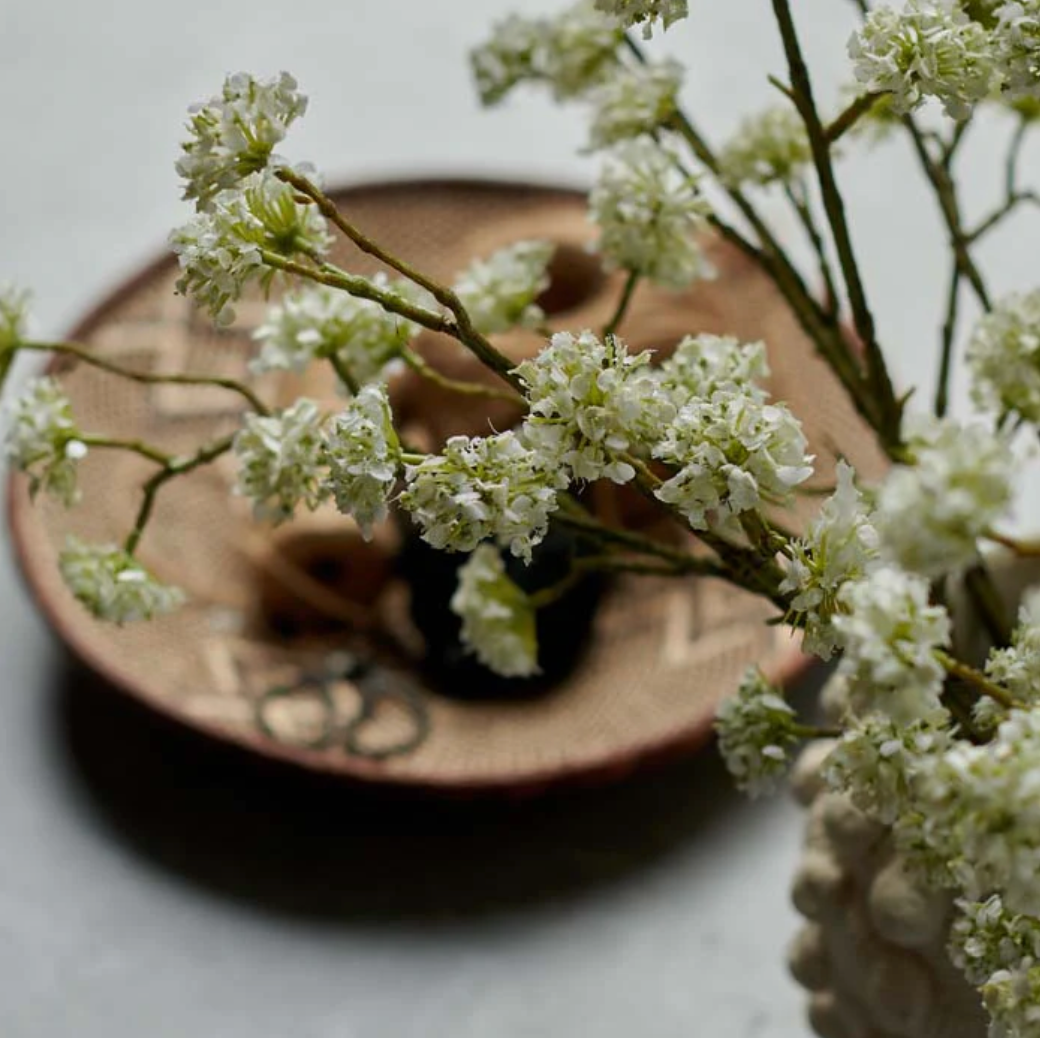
(889, 407)
(942, 389)
(622, 307)
(88, 356)
(419, 365)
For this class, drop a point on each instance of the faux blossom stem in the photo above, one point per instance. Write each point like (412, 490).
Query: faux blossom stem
(949, 332)
(819, 323)
(1024, 549)
(847, 119)
(622, 307)
(939, 177)
(463, 328)
(796, 196)
(889, 407)
(976, 678)
(88, 356)
(172, 468)
(344, 374)
(133, 446)
(431, 374)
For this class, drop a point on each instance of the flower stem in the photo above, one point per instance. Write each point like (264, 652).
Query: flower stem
(133, 446)
(942, 388)
(88, 356)
(889, 409)
(462, 329)
(344, 374)
(172, 468)
(974, 677)
(848, 118)
(419, 365)
(622, 308)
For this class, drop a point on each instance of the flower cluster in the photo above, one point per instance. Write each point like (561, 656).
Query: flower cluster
(222, 249)
(650, 214)
(280, 460)
(767, 148)
(44, 441)
(890, 632)
(634, 101)
(14, 317)
(362, 452)
(499, 292)
(1012, 998)
(931, 514)
(877, 759)
(321, 322)
(590, 403)
(571, 53)
(929, 49)
(1017, 45)
(735, 453)
(491, 487)
(645, 12)
(1016, 667)
(498, 619)
(702, 364)
(1004, 357)
(840, 545)
(757, 731)
(983, 802)
(985, 937)
(234, 134)
(113, 585)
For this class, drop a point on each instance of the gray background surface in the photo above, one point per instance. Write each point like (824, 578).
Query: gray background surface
(150, 885)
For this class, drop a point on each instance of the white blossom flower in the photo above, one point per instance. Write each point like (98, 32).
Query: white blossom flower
(499, 292)
(1012, 998)
(1017, 45)
(323, 322)
(930, 514)
(113, 585)
(702, 364)
(890, 632)
(280, 460)
(840, 544)
(498, 620)
(735, 453)
(221, 250)
(930, 48)
(1004, 357)
(633, 101)
(591, 401)
(633, 12)
(579, 49)
(985, 937)
(363, 453)
(650, 215)
(234, 134)
(983, 803)
(1016, 667)
(481, 488)
(770, 147)
(14, 316)
(44, 441)
(757, 731)
(570, 52)
(876, 761)
(507, 58)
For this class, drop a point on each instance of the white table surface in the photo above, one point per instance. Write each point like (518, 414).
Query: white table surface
(149, 886)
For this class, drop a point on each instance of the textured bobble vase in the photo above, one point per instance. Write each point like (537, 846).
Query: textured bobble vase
(872, 951)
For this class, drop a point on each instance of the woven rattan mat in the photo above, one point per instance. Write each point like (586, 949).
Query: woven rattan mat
(662, 654)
